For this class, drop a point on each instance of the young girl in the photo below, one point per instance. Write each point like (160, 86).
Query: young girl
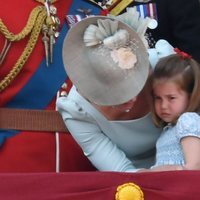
(176, 106)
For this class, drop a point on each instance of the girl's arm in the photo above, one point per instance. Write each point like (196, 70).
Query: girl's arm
(191, 150)
(163, 168)
(188, 133)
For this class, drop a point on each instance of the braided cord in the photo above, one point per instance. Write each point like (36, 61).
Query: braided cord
(26, 30)
(27, 51)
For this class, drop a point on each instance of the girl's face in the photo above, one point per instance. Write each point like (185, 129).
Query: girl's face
(170, 101)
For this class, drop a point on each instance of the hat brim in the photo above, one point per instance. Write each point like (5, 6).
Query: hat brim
(110, 85)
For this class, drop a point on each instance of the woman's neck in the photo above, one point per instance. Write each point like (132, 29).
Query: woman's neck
(140, 109)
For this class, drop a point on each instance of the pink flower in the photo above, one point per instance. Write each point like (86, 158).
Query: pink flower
(125, 58)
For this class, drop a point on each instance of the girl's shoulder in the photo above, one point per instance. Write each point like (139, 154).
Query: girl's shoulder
(189, 117)
(188, 124)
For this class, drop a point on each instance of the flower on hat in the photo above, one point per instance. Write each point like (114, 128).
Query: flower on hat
(106, 33)
(139, 24)
(125, 58)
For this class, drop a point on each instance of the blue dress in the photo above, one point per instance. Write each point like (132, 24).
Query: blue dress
(169, 150)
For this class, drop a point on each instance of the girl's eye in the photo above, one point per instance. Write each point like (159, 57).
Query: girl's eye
(157, 97)
(172, 98)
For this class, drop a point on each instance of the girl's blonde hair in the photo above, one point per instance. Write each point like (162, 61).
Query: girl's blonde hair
(183, 71)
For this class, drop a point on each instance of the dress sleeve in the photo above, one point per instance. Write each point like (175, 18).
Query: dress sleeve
(188, 124)
(99, 149)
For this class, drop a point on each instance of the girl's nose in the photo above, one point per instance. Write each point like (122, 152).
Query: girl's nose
(163, 104)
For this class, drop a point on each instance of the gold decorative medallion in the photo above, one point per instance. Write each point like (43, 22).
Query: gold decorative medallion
(129, 191)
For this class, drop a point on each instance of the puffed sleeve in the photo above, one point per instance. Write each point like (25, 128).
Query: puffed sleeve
(188, 124)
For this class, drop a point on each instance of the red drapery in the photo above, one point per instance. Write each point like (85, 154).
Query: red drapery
(175, 185)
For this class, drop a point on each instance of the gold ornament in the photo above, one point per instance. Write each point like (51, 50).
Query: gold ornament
(129, 191)
(40, 16)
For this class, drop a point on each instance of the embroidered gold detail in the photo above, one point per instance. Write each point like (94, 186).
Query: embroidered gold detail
(37, 18)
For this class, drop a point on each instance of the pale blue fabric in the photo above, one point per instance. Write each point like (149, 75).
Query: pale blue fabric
(169, 150)
(110, 145)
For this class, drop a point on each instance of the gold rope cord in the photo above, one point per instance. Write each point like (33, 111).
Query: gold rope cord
(26, 30)
(34, 26)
